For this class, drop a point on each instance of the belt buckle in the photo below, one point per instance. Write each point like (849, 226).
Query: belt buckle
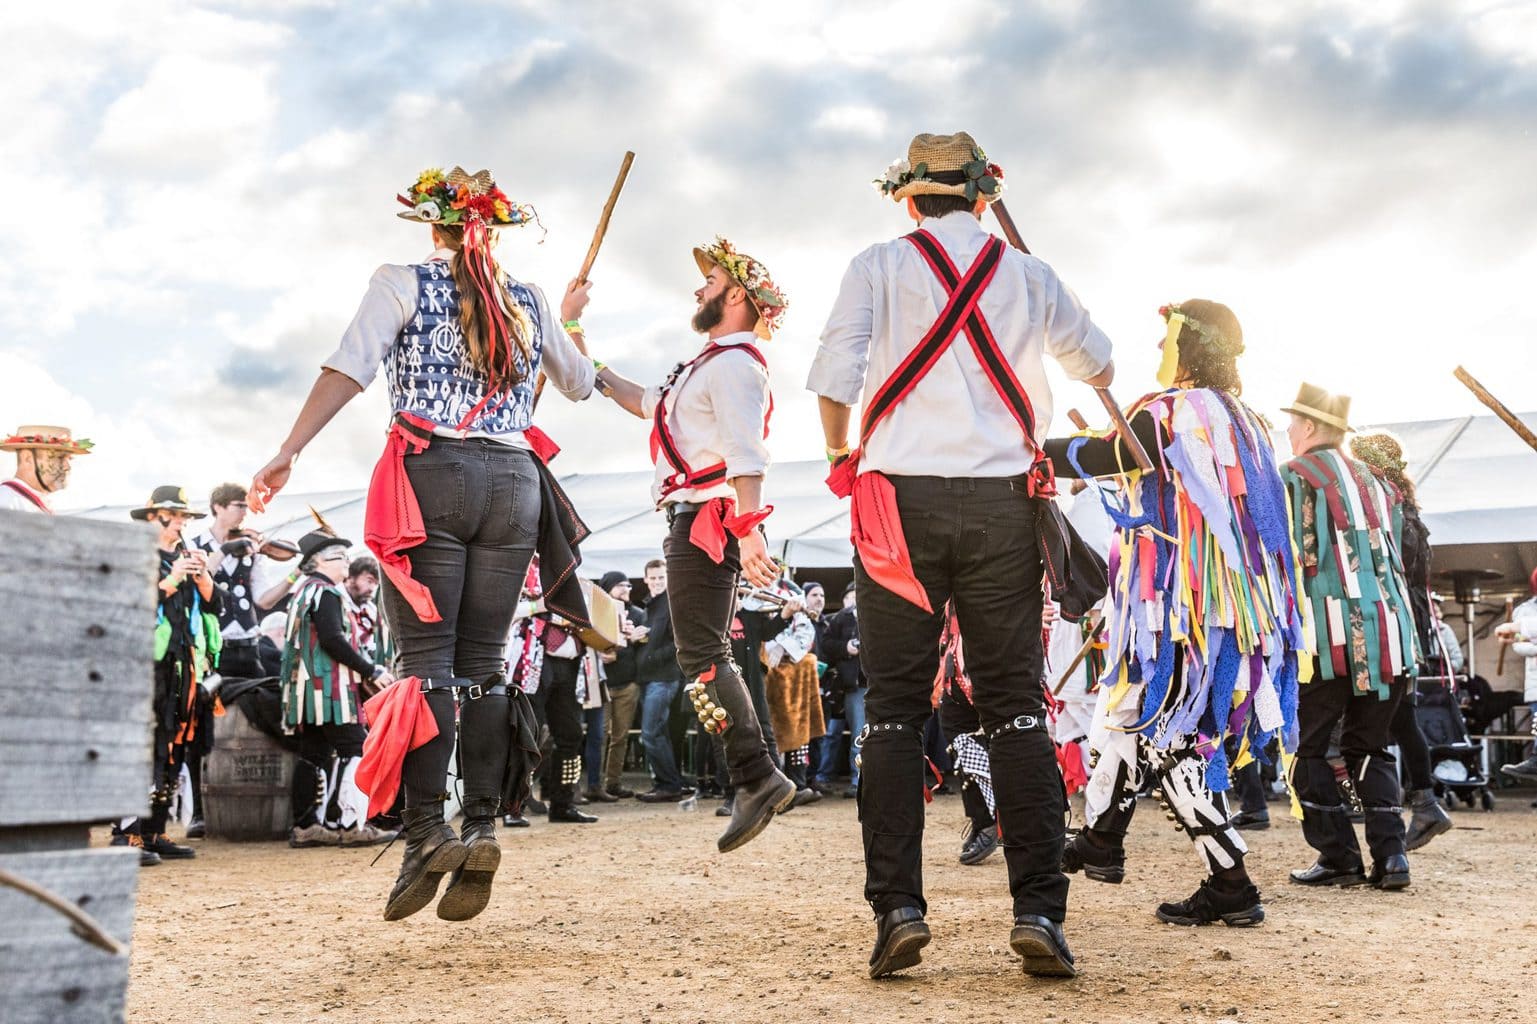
(1022, 722)
(475, 691)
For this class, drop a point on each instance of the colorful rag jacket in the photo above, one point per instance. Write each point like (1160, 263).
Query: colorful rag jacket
(317, 688)
(1348, 525)
(1205, 609)
(187, 645)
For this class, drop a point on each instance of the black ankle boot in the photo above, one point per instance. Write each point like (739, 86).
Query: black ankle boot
(1099, 860)
(469, 890)
(432, 850)
(1428, 819)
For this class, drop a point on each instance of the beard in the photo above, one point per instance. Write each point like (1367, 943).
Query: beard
(710, 314)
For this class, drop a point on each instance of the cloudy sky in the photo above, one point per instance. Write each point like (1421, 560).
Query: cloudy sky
(200, 191)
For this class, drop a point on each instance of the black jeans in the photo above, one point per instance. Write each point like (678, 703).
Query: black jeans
(973, 542)
(317, 743)
(702, 595)
(1364, 744)
(1411, 741)
(480, 504)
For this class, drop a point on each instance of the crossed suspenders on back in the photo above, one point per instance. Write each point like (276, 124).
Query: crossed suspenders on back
(961, 314)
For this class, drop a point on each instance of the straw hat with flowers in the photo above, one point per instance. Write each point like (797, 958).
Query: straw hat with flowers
(943, 165)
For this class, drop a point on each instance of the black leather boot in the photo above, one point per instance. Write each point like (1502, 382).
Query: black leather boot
(753, 807)
(1427, 819)
(899, 935)
(1390, 874)
(469, 888)
(1099, 860)
(432, 850)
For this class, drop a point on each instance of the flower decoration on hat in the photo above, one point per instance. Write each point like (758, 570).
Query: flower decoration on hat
(977, 178)
(766, 296)
(459, 197)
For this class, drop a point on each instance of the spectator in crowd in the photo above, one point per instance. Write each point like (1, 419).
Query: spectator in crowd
(845, 683)
(592, 695)
(1445, 651)
(186, 644)
(752, 622)
(1521, 634)
(661, 680)
(623, 691)
(369, 631)
(322, 677)
(43, 457)
(269, 646)
(795, 697)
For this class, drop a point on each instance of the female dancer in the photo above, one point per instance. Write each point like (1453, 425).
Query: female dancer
(459, 488)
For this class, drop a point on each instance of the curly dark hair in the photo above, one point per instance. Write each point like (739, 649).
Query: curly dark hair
(1210, 362)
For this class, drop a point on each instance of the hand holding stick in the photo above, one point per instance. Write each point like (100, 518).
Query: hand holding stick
(1117, 418)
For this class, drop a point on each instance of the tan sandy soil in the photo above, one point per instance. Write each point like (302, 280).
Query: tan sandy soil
(637, 918)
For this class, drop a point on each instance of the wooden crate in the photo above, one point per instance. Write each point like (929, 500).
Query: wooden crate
(77, 613)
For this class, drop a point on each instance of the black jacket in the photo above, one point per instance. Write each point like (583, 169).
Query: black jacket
(621, 671)
(657, 659)
(843, 670)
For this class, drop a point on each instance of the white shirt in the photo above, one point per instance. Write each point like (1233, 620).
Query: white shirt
(391, 302)
(715, 413)
(953, 424)
(228, 564)
(13, 497)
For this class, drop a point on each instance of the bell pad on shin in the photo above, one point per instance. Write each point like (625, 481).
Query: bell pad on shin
(706, 700)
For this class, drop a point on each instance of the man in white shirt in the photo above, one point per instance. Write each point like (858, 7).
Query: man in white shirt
(941, 335)
(43, 457)
(709, 419)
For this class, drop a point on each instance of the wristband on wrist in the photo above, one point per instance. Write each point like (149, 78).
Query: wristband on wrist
(834, 454)
(293, 577)
(573, 327)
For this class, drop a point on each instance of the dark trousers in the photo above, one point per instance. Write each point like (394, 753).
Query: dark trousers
(973, 542)
(1366, 723)
(702, 595)
(1411, 741)
(480, 503)
(317, 745)
(556, 706)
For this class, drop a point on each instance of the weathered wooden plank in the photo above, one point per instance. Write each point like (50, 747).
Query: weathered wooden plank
(47, 974)
(77, 612)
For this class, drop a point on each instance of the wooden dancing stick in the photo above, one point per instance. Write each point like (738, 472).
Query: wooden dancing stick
(592, 254)
(603, 218)
(1117, 418)
(1511, 419)
(1096, 623)
(82, 924)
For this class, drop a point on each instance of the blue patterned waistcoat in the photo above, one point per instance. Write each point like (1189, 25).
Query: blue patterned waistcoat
(429, 370)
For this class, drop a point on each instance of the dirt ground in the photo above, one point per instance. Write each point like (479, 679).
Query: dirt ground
(637, 918)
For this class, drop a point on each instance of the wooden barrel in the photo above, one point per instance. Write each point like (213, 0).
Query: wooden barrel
(246, 782)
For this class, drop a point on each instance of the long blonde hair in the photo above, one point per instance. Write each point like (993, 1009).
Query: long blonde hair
(504, 366)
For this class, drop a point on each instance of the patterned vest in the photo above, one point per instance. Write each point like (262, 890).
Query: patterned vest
(428, 367)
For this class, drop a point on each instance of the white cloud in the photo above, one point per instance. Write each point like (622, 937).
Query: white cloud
(190, 116)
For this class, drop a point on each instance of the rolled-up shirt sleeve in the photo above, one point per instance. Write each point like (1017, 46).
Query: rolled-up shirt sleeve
(838, 371)
(739, 396)
(572, 373)
(1071, 337)
(387, 307)
(648, 399)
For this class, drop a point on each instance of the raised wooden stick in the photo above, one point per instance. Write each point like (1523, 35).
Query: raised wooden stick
(1511, 419)
(1117, 418)
(608, 211)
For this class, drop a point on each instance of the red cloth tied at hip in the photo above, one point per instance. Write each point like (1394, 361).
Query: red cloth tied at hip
(392, 519)
(398, 721)
(717, 518)
(875, 528)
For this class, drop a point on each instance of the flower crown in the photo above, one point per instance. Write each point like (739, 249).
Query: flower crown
(982, 177)
(1208, 334)
(459, 197)
(752, 275)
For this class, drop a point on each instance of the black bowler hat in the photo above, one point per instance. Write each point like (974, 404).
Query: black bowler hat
(316, 541)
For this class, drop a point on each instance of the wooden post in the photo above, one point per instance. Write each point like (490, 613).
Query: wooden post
(77, 614)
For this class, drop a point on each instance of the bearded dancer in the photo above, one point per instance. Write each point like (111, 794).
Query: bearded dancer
(456, 507)
(43, 457)
(1205, 630)
(942, 332)
(709, 420)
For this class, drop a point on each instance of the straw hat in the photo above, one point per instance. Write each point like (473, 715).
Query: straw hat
(765, 296)
(1317, 404)
(51, 439)
(943, 165)
(169, 498)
